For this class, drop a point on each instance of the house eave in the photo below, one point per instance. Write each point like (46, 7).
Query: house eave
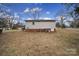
(40, 20)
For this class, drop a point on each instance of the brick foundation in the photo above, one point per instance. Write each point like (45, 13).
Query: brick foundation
(38, 30)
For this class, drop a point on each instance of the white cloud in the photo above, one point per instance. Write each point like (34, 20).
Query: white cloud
(26, 10)
(45, 18)
(36, 9)
(47, 12)
(40, 18)
(32, 10)
(16, 15)
(29, 19)
(58, 18)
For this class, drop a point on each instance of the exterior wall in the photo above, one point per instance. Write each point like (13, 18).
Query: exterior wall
(40, 25)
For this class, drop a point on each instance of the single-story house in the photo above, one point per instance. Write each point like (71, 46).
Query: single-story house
(40, 25)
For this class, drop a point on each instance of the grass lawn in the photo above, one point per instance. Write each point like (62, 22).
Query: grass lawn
(62, 42)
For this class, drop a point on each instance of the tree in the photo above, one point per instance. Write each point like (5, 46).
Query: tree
(58, 24)
(62, 22)
(73, 11)
(2, 23)
(5, 17)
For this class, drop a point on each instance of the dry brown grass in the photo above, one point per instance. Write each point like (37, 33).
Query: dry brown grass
(63, 42)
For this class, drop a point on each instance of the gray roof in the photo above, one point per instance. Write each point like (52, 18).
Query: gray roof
(40, 20)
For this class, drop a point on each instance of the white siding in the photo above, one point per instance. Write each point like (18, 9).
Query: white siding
(40, 25)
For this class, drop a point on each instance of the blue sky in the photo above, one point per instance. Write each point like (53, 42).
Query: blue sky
(48, 10)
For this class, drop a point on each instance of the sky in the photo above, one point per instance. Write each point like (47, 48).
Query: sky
(21, 10)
